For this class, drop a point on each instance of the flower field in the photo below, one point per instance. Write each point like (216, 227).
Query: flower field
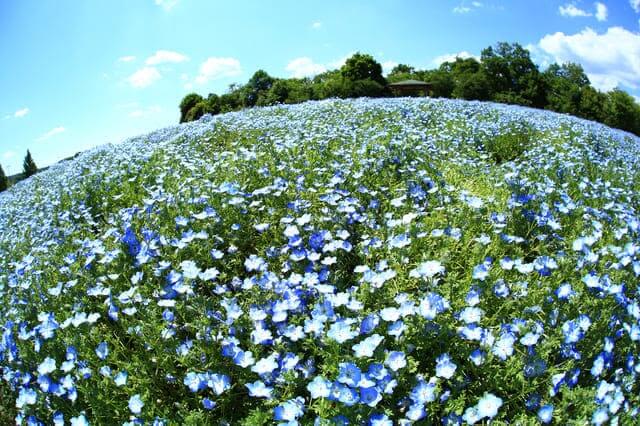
(372, 262)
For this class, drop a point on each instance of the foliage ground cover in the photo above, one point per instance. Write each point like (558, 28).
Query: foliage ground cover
(390, 261)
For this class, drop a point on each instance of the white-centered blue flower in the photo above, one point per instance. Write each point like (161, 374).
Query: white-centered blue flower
(136, 404)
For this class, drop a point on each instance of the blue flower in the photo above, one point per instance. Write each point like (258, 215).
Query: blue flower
(366, 347)
(319, 387)
(349, 374)
(396, 360)
(135, 404)
(208, 404)
(102, 350)
(290, 410)
(545, 413)
(258, 389)
(370, 396)
(489, 405)
(445, 368)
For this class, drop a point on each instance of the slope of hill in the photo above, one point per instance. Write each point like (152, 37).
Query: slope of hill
(358, 261)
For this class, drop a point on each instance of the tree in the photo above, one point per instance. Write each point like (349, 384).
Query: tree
(198, 110)
(187, 103)
(566, 84)
(362, 67)
(511, 74)
(403, 69)
(4, 181)
(622, 112)
(259, 83)
(29, 166)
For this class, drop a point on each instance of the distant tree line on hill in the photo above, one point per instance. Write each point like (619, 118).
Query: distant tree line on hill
(505, 73)
(29, 168)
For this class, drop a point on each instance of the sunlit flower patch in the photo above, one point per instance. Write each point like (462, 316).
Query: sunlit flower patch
(337, 262)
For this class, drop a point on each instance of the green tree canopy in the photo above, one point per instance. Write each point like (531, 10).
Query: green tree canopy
(29, 166)
(188, 102)
(4, 181)
(362, 67)
(621, 111)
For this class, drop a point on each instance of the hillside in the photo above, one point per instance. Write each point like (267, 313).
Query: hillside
(360, 261)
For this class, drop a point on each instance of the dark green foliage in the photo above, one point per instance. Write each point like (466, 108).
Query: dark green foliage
(362, 67)
(29, 166)
(504, 74)
(257, 87)
(512, 75)
(4, 181)
(508, 144)
(622, 112)
(187, 103)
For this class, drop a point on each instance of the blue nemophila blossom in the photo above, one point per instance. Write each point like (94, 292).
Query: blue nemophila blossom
(545, 413)
(136, 404)
(319, 387)
(290, 410)
(488, 406)
(102, 350)
(258, 389)
(367, 346)
(427, 269)
(349, 374)
(396, 360)
(445, 368)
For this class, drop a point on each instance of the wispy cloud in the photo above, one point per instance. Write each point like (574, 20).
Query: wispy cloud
(18, 114)
(215, 68)
(166, 4)
(165, 56)
(466, 7)
(316, 25)
(21, 112)
(51, 133)
(572, 11)
(144, 77)
(128, 58)
(304, 67)
(635, 4)
(8, 155)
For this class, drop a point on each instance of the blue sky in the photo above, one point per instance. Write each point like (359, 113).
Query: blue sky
(80, 74)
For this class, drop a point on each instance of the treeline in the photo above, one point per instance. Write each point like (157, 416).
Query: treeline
(29, 168)
(505, 73)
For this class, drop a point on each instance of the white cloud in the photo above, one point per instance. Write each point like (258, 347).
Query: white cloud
(164, 56)
(451, 57)
(304, 67)
(635, 4)
(316, 25)
(609, 59)
(572, 11)
(144, 77)
(166, 4)
(8, 155)
(126, 58)
(387, 66)
(215, 68)
(601, 12)
(461, 9)
(50, 133)
(21, 112)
